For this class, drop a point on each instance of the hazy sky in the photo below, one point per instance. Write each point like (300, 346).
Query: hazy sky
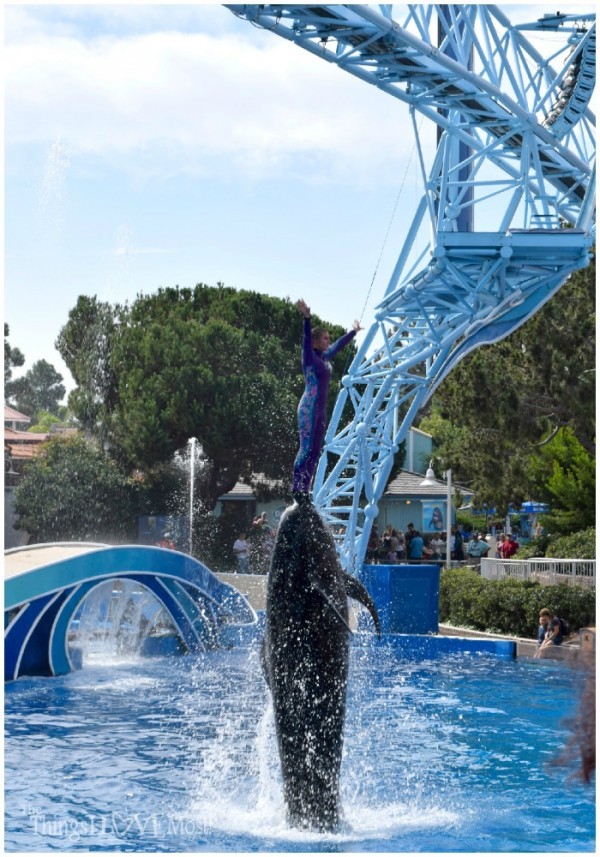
(162, 145)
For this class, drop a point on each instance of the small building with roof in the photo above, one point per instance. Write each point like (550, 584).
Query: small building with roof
(407, 501)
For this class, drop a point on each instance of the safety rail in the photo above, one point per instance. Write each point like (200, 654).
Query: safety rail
(575, 572)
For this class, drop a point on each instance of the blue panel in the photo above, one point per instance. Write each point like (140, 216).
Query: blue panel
(376, 578)
(59, 661)
(414, 646)
(15, 637)
(406, 597)
(36, 653)
(200, 620)
(173, 608)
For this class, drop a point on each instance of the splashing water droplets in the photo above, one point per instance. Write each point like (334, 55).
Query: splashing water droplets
(51, 204)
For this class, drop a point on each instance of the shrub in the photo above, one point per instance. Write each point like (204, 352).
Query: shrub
(581, 545)
(510, 606)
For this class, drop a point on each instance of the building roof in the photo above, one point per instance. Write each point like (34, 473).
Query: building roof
(27, 437)
(240, 491)
(21, 451)
(243, 491)
(14, 416)
(408, 484)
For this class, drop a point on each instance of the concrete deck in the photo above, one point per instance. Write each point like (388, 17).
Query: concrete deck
(252, 586)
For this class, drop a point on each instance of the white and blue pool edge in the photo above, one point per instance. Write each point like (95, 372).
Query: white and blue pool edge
(407, 645)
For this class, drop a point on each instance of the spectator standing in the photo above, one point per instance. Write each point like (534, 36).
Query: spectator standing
(263, 537)
(510, 547)
(393, 551)
(408, 535)
(437, 546)
(386, 541)
(457, 545)
(241, 552)
(373, 545)
(166, 542)
(415, 546)
(477, 548)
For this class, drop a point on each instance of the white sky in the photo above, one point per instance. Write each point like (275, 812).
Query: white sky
(162, 145)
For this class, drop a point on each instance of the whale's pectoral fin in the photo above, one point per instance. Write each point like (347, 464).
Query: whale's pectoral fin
(355, 589)
(330, 604)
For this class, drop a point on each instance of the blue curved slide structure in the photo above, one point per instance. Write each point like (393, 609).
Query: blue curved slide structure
(40, 602)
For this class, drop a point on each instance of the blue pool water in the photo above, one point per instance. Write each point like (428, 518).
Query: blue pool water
(179, 754)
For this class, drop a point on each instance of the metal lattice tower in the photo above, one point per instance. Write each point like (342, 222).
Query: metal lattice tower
(507, 212)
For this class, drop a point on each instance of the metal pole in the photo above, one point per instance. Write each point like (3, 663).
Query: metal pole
(192, 442)
(449, 519)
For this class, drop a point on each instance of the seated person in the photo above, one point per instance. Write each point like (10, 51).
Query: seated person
(556, 631)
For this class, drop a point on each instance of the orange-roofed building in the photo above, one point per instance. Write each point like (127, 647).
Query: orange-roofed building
(19, 446)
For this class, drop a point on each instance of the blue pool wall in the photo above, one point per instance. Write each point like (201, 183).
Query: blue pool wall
(406, 596)
(412, 646)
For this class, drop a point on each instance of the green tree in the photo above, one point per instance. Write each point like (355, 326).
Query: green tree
(85, 343)
(211, 362)
(45, 421)
(73, 491)
(564, 475)
(13, 357)
(40, 389)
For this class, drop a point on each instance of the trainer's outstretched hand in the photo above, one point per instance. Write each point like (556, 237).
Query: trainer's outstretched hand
(356, 326)
(304, 309)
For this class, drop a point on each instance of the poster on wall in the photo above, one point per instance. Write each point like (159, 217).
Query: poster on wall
(434, 520)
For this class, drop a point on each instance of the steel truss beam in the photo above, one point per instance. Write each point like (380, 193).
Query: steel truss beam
(515, 157)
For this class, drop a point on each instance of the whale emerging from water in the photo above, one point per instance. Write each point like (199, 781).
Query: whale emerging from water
(305, 659)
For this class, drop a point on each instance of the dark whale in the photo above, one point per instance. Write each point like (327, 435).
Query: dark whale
(305, 659)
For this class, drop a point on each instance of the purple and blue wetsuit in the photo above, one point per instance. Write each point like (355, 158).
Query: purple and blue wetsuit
(313, 406)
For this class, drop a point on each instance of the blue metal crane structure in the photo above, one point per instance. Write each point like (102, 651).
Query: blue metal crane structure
(507, 211)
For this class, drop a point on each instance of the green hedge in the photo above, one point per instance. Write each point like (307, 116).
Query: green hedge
(581, 545)
(510, 606)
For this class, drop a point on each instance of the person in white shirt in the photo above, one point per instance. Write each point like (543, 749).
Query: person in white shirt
(437, 545)
(242, 554)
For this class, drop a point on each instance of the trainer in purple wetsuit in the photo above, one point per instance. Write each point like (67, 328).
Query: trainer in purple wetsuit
(317, 350)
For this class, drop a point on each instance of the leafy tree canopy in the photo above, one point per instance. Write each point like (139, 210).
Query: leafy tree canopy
(84, 343)
(45, 421)
(40, 389)
(73, 491)
(564, 474)
(211, 362)
(13, 357)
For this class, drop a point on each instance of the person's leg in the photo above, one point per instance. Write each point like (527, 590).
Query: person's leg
(311, 429)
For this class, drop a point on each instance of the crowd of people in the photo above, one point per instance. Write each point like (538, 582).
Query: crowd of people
(395, 546)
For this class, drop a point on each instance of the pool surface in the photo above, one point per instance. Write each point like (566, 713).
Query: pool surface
(179, 754)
